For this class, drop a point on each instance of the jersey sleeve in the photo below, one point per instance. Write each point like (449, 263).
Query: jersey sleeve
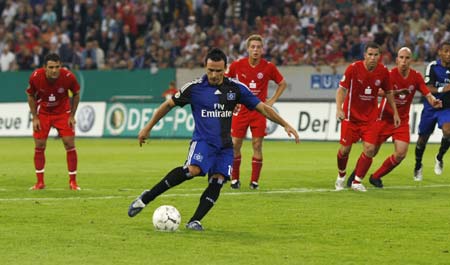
(75, 87)
(183, 96)
(422, 87)
(345, 81)
(247, 98)
(31, 89)
(275, 74)
(430, 75)
(231, 72)
(386, 83)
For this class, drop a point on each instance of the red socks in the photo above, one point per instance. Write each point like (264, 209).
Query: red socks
(342, 163)
(39, 163)
(362, 166)
(72, 161)
(388, 165)
(236, 166)
(256, 168)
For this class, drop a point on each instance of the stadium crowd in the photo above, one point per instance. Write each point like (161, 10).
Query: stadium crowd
(143, 34)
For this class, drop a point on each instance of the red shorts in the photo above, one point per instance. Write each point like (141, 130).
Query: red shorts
(387, 129)
(253, 119)
(352, 132)
(59, 121)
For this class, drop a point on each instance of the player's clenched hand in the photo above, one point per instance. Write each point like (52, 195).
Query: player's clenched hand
(72, 122)
(397, 120)
(237, 108)
(437, 103)
(291, 131)
(36, 124)
(142, 136)
(340, 115)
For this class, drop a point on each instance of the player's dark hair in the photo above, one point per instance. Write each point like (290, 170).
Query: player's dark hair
(216, 55)
(51, 57)
(372, 45)
(445, 43)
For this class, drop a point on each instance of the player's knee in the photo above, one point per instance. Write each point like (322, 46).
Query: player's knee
(194, 170)
(370, 150)
(399, 157)
(217, 180)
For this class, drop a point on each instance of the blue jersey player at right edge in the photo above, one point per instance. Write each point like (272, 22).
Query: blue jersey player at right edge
(437, 78)
(212, 99)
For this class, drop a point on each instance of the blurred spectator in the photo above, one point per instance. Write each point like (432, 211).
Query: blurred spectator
(126, 41)
(7, 60)
(49, 15)
(175, 32)
(9, 12)
(308, 15)
(169, 92)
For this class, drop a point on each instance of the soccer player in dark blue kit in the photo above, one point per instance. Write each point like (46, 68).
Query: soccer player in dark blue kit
(437, 78)
(213, 98)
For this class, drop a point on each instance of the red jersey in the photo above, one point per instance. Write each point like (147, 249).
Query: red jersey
(256, 78)
(52, 97)
(361, 101)
(413, 82)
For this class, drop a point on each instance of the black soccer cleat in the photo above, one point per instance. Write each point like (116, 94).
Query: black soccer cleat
(376, 182)
(194, 225)
(254, 185)
(350, 179)
(235, 184)
(136, 207)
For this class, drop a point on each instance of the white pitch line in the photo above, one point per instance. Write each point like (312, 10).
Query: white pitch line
(236, 193)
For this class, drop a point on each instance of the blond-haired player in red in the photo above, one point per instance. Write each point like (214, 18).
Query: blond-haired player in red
(405, 82)
(356, 107)
(255, 72)
(48, 98)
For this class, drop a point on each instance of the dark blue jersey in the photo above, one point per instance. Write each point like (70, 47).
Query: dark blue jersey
(438, 75)
(212, 107)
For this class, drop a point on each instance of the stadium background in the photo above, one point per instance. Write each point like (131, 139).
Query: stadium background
(125, 53)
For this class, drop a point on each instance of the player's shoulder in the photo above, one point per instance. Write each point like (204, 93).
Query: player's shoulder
(235, 83)
(66, 73)
(435, 63)
(38, 73)
(192, 83)
(382, 68)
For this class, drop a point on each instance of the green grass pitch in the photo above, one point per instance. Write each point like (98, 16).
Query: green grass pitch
(295, 217)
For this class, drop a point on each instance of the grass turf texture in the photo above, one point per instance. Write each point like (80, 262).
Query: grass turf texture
(294, 218)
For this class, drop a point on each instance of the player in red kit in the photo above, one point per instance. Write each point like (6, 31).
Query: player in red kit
(48, 98)
(405, 82)
(356, 107)
(255, 72)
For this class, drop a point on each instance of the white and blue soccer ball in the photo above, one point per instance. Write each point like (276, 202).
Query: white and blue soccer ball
(166, 218)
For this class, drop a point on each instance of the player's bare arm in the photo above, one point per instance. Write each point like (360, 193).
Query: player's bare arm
(272, 115)
(441, 89)
(281, 87)
(340, 96)
(33, 110)
(73, 110)
(391, 101)
(434, 102)
(163, 109)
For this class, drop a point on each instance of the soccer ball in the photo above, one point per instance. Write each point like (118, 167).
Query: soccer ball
(166, 218)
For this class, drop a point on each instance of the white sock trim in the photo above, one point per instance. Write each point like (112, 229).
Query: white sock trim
(40, 171)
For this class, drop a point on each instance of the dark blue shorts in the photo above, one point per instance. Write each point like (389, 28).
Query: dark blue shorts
(430, 117)
(211, 160)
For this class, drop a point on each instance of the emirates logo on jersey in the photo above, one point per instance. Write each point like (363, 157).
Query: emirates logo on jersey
(260, 75)
(61, 90)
